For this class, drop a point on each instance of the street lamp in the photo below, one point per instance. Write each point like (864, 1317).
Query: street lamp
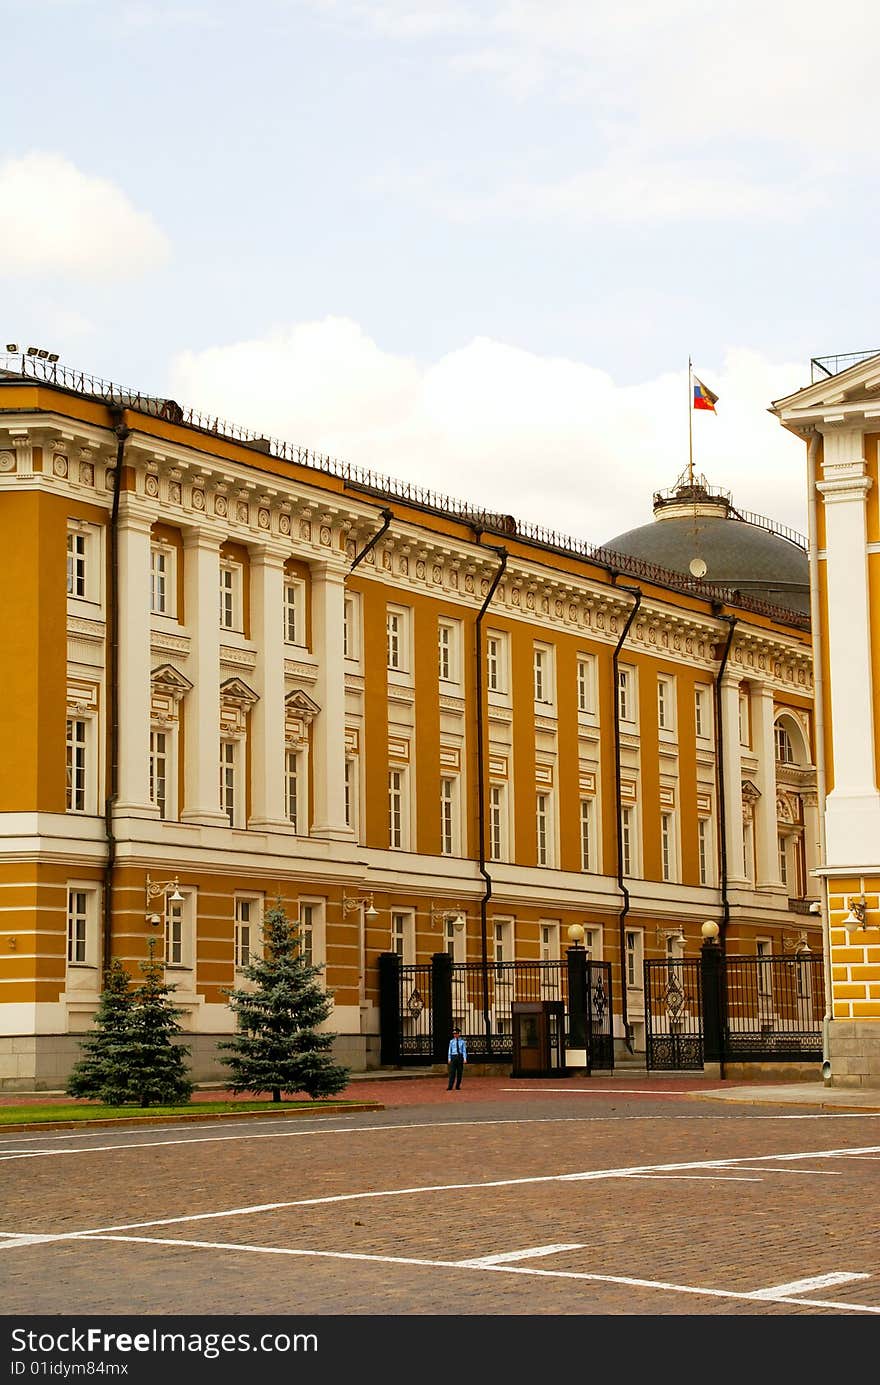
(352, 902)
(709, 931)
(576, 934)
(159, 888)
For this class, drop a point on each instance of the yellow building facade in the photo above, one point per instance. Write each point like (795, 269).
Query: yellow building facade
(838, 417)
(237, 672)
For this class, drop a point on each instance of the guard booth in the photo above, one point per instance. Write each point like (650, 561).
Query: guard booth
(538, 1038)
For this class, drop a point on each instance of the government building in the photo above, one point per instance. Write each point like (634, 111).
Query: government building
(237, 671)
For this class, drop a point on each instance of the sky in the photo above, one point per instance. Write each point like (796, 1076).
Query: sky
(467, 243)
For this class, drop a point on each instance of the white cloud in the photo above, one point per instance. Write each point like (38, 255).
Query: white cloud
(57, 220)
(553, 441)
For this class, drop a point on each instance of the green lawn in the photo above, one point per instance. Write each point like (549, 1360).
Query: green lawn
(21, 1115)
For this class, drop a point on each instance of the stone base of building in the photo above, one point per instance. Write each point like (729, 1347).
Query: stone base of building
(854, 1053)
(42, 1062)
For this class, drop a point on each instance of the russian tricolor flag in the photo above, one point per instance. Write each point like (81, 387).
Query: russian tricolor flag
(703, 397)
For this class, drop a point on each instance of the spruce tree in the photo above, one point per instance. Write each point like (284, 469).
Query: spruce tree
(158, 1072)
(278, 1047)
(103, 1072)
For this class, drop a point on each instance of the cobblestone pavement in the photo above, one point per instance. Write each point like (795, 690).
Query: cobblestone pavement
(600, 1199)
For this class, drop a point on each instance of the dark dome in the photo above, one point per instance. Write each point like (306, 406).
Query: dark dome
(748, 554)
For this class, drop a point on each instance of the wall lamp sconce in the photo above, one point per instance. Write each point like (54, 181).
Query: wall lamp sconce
(157, 888)
(350, 902)
(441, 916)
(799, 944)
(856, 918)
(666, 935)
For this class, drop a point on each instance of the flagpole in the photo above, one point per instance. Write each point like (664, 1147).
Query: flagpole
(690, 423)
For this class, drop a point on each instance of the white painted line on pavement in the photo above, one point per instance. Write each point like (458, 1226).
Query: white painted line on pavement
(763, 1296)
(533, 1254)
(804, 1286)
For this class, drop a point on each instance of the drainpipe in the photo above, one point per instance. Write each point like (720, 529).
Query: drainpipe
(481, 785)
(819, 733)
(719, 779)
(387, 516)
(122, 433)
(621, 885)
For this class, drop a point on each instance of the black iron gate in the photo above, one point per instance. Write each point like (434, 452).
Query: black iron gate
(420, 1002)
(726, 1008)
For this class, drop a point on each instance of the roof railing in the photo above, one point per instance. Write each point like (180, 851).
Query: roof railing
(824, 367)
(384, 487)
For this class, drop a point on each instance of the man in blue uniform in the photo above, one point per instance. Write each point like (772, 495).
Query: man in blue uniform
(457, 1059)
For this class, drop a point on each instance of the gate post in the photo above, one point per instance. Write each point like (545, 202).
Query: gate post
(576, 961)
(389, 1008)
(441, 1004)
(712, 963)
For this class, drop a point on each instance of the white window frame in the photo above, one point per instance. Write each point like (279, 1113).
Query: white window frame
(764, 949)
(83, 938)
(497, 663)
(449, 815)
(503, 941)
(666, 703)
(668, 853)
(783, 745)
(544, 828)
(78, 743)
(743, 715)
(635, 952)
(449, 651)
(231, 587)
(784, 871)
(702, 713)
(232, 787)
(296, 789)
(87, 538)
(180, 919)
(398, 638)
(247, 929)
(586, 684)
(587, 825)
(628, 844)
(295, 612)
(548, 940)
(163, 583)
(312, 927)
(351, 791)
(543, 672)
(704, 849)
(626, 694)
(351, 628)
(166, 802)
(398, 808)
(593, 943)
(454, 939)
(403, 935)
(498, 823)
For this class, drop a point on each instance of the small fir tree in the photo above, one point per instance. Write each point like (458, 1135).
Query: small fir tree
(103, 1072)
(278, 1047)
(158, 1072)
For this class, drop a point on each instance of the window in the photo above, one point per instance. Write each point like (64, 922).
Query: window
(403, 935)
(179, 932)
(764, 951)
(748, 851)
(549, 941)
(743, 719)
(76, 563)
(497, 807)
(230, 596)
(228, 803)
(502, 944)
(541, 816)
(703, 847)
(396, 627)
(294, 612)
(701, 712)
(586, 684)
(624, 694)
(784, 748)
(634, 960)
(351, 793)
(351, 644)
(312, 932)
(396, 808)
(77, 926)
(543, 674)
(783, 860)
(586, 834)
(292, 789)
(626, 839)
(446, 651)
(667, 845)
(76, 765)
(665, 704)
(447, 816)
(494, 664)
(593, 944)
(247, 925)
(160, 573)
(159, 771)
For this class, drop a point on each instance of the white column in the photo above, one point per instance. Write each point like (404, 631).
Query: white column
(766, 834)
(267, 716)
(133, 596)
(201, 726)
(853, 805)
(328, 728)
(733, 814)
